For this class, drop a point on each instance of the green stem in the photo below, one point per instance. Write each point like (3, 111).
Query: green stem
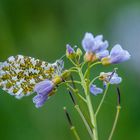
(66, 82)
(94, 64)
(73, 71)
(73, 62)
(82, 65)
(81, 97)
(75, 132)
(102, 100)
(76, 92)
(76, 82)
(89, 105)
(94, 80)
(73, 68)
(90, 68)
(84, 120)
(115, 122)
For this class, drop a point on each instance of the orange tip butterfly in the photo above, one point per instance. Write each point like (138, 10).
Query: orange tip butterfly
(19, 74)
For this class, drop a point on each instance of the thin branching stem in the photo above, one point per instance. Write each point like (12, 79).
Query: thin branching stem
(84, 120)
(72, 127)
(75, 133)
(76, 82)
(92, 81)
(73, 71)
(115, 122)
(91, 67)
(76, 92)
(102, 100)
(73, 62)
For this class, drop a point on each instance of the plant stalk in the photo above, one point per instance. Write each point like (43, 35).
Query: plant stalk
(89, 105)
(115, 122)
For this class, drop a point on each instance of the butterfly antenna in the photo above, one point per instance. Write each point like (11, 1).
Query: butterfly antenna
(62, 57)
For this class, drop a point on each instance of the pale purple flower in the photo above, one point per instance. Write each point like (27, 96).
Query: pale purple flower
(111, 78)
(70, 50)
(88, 42)
(42, 89)
(118, 55)
(102, 54)
(39, 100)
(94, 44)
(95, 90)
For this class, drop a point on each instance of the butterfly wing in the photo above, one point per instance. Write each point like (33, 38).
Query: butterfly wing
(19, 74)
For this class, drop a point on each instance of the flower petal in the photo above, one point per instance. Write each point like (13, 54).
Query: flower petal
(115, 80)
(39, 100)
(118, 55)
(44, 87)
(109, 78)
(95, 90)
(94, 45)
(102, 54)
(88, 42)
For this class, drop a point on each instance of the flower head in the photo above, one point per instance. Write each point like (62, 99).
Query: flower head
(110, 77)
(95, 90)
(94, 44)
(94, 47)
(43, 90)
(117, 55)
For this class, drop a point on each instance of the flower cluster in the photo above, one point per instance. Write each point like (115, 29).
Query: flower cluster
(94, 47)
(96, 50)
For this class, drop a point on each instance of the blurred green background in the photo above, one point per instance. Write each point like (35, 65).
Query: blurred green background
(41, 28)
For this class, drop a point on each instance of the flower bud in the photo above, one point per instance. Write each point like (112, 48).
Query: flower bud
(79, 52)
(70, 53)
(89, 57)
(105, 61)
(57, 80)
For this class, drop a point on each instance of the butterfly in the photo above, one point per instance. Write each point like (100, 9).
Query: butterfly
(19, 74)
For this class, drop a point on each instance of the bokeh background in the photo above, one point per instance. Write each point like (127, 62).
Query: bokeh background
(41, 28)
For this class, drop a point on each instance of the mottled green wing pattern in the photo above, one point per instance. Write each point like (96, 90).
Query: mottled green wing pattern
(19, 74)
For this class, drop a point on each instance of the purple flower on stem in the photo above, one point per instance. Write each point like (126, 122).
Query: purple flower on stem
(43, 90)
(95, 90)
(110, 77)
(70, 53)
(117, 55)
(88, 42)
(94, 44)
(70, 50)
(102, 54)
